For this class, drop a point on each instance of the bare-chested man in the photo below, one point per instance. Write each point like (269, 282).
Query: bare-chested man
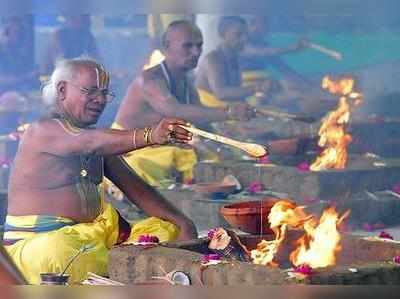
(166, 91)
(219, 72)
(54, 188)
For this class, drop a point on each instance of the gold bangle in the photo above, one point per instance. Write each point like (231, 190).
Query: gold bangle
(134, 138)
(150, 133)
(146, 135)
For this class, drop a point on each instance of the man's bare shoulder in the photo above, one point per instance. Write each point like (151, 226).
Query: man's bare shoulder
(153, 81)
(212, 57)
(153, 73)
(49, 128)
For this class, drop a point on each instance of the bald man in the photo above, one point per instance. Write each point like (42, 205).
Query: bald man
(166, 90)
(219, 73)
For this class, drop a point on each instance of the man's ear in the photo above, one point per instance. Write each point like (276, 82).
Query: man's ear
(61, 86)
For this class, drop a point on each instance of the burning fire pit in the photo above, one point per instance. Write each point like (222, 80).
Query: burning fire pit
(321, 256)
(361, 261)
(330, 175)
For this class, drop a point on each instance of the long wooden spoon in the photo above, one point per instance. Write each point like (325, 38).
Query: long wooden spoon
(252, 149)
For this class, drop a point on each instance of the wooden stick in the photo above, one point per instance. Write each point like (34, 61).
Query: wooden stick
(299, 117)
(97, 279)
(331, 53)
(252, 149)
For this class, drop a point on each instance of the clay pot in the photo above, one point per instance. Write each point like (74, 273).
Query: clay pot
(249, 216)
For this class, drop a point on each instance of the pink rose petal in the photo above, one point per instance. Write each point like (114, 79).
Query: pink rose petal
(148, 239)
(255, 187)
(303, 166)
(385, 235)
(211, 257)
(263, 160)
(396, 259)
(211, 233)
(304, 269)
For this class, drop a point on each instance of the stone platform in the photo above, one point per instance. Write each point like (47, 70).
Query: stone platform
(361, 261)
(300, 186)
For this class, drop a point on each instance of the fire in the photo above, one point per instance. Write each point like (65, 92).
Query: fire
(283, 214)
(317, 248)
(333, 131)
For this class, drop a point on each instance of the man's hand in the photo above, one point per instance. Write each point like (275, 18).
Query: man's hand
(169, 131)
(241, 111)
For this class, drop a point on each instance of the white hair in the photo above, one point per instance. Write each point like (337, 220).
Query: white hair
(65, 70)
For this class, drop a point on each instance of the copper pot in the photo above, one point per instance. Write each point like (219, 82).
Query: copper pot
(249, 216)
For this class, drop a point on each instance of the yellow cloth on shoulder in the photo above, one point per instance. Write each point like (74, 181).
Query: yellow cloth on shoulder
(249, 77)
(154, 164)
(156, 58)
(50, 252)
(209, 100)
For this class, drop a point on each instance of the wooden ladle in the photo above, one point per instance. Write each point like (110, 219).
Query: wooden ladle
(255, 150)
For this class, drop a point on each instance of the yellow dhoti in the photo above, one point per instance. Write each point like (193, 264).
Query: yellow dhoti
(43, 252)
(154, 164)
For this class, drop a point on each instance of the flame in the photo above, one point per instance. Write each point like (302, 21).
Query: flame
(320, 245)
(342, 86)
(333, 131)
(317, 248)
(283, 214)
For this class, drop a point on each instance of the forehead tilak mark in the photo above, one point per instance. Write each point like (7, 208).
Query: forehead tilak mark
(102, 77)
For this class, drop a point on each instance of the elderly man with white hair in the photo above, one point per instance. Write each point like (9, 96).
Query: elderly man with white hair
(55, 203)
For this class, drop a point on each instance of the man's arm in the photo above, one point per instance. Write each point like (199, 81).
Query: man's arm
(251, 50)
(146, 197)
(132, 112)
(214, 72)
(162, 101)
(59, 139)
